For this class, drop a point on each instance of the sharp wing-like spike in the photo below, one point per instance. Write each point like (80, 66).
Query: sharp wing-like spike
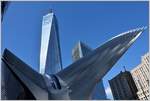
(33, 81)
(87, 70)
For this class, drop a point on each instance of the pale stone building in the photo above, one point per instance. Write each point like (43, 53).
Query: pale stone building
(141, 77)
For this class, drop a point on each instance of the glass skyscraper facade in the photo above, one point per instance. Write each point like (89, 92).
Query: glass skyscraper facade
(123, 87)
(79, 51)
(50, 56)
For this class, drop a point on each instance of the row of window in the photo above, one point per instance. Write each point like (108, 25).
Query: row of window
(146, 93)
(144, 98)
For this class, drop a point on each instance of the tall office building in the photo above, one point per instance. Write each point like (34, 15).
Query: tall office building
(50, 56)
(123, 87)
(79, 51)
(141, 77)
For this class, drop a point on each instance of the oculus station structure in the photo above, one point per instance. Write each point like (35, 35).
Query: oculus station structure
(53, 82)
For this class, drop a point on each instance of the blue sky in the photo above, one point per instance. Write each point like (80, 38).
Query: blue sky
(91, 22)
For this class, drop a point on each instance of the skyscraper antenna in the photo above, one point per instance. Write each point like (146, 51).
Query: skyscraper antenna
(124, 68)
(50, 11)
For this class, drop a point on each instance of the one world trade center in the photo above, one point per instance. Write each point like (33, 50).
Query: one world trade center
(50, 55)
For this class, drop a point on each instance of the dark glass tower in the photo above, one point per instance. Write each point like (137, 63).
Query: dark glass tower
(50, 56)
(123, 87)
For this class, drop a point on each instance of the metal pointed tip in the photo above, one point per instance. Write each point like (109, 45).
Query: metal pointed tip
(145, 27)
(141, 28)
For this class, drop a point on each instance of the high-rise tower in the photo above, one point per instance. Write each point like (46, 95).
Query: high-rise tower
(50, 56)
(123, 87)
(81, 50)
